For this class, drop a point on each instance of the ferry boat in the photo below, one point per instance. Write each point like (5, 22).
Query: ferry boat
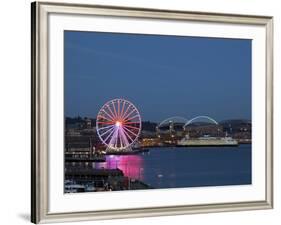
(206, 141)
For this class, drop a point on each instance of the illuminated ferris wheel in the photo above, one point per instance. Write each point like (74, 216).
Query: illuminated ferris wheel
(118, 124)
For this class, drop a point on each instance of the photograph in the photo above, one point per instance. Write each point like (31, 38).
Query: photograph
(140, 112)
(150, 111)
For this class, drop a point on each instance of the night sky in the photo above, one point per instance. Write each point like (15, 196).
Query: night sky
(162, 76)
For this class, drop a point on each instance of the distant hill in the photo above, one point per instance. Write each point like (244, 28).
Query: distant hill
(149, 126)
(236, 125)
(235, 122)
(73, 120)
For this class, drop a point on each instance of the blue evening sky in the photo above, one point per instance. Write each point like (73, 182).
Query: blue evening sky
(162, 76)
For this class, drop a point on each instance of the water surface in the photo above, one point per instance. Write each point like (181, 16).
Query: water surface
(174, 167)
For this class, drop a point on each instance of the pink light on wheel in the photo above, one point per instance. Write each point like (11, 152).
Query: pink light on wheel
(118, 124)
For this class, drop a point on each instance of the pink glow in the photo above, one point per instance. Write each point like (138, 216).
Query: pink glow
(131, 165)
(118, 124)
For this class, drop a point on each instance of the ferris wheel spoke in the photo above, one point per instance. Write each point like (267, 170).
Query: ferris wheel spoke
(113, 139)
(120, 140)
(103, 117)
(110, 116)
(110, 110)
(127, 116)
(124, 138)
(106, 127)
(118, 108)
(113, 103)
(126, 111)
(128, 126)
(131, 132)
(122, 110)
(126, 134)
(133, 117)
(136, 122)
(111, 134)
(107, 131)
(122, 144)
(112, 142)
(107, 123)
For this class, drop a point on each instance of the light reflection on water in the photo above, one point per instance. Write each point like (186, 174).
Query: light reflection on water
(131, 165)
(186, 167)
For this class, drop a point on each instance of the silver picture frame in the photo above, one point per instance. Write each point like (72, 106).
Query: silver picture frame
(40, 93)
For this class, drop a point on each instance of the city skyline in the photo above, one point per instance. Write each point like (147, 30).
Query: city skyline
(162, 75)
(173, 117)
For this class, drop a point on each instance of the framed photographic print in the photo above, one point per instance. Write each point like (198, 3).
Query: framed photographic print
(147, 112)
